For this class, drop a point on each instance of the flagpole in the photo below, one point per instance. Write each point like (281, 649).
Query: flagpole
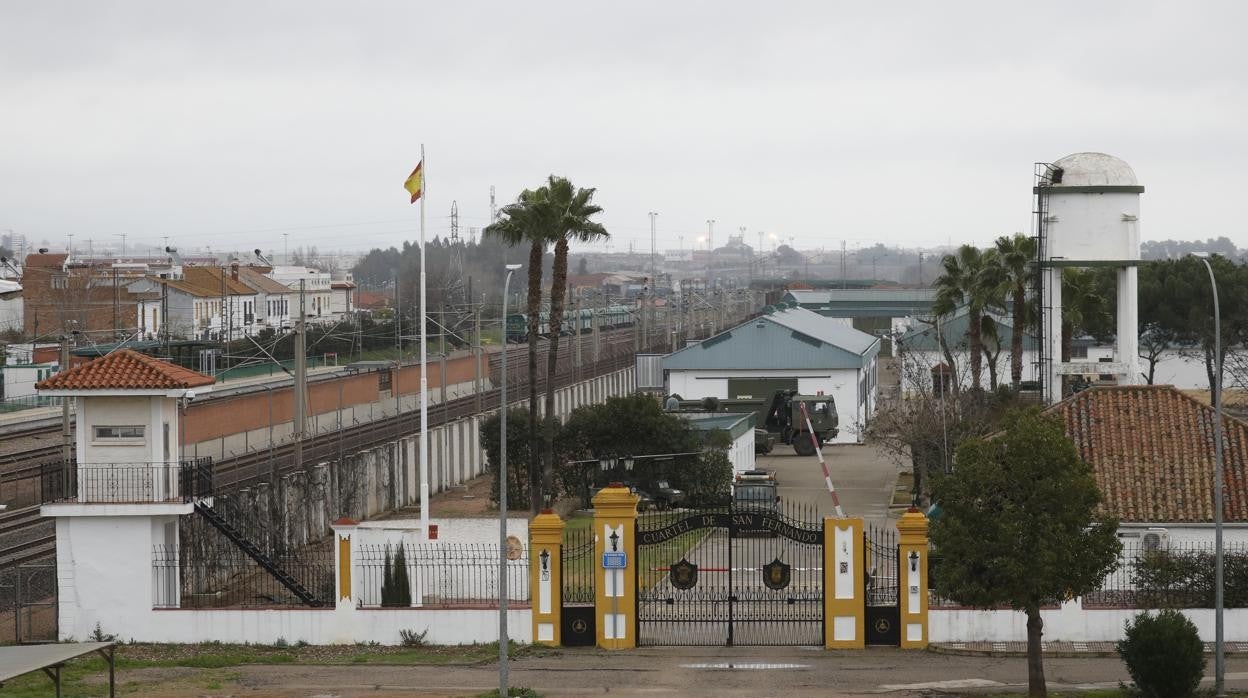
(424, 382)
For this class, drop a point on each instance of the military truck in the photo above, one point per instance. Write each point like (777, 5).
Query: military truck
(782, 416)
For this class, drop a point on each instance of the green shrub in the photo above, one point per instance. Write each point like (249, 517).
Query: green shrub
(1163, 654)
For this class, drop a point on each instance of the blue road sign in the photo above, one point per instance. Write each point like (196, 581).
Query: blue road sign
(614, 561)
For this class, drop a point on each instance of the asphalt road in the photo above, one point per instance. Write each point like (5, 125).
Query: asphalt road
(689, 672)
(862, 475)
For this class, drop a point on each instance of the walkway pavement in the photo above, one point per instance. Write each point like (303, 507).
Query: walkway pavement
(864, 477)
(703, 671)
(1054, 649)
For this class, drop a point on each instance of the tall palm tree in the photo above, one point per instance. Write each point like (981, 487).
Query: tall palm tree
(968, 278)
(529, 220)
(1016, 257)
(570, 210)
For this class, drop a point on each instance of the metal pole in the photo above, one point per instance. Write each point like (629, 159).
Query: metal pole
(1219, 649)
(424, 356)
(67, 439)
(301, 375)
(502, 507)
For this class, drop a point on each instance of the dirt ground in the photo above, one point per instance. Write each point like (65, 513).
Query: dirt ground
(471, 500)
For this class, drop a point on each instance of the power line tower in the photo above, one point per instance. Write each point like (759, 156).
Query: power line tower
(457, 317)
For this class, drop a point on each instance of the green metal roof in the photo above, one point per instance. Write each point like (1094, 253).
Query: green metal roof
(792, 338)
(735, 423)
(145, 346)
(922, 336)
(865, 302)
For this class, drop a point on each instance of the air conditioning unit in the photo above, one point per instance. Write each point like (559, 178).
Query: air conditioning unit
(1155, 540)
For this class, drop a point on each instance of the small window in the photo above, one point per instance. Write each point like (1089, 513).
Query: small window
(384, 380)
(1079, 352)
(117, 433)
(60, 282)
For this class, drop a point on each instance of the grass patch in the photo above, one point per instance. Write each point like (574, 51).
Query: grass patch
(83, 677)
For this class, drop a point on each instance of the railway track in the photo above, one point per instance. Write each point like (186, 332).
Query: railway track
(26, 522)
(257, 466)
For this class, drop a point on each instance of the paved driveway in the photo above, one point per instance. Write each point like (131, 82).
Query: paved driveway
(863, 475)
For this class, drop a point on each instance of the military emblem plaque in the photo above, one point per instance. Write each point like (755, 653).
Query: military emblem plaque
(777, 575)
(683, 574)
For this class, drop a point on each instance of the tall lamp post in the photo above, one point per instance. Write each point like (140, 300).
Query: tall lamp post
(502, 502)
(1219, 650)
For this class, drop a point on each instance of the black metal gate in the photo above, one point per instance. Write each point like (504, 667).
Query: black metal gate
(730, 577)
(577, 627)
(883, 613)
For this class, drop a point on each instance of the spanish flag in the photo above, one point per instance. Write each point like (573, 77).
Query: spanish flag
(415, 182)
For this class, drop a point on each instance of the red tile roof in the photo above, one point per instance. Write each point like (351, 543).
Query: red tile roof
(1152, 451)
(125, 369)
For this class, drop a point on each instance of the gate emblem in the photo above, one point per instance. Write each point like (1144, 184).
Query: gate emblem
(579, 625)
(776, 575)
(684, 574)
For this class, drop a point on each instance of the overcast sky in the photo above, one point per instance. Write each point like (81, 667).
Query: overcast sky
(230, 123)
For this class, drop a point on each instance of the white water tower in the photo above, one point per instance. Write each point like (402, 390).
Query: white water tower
(1088, 212)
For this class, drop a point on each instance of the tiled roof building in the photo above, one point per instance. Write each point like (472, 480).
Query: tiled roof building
(125, 370)
(1151, 448)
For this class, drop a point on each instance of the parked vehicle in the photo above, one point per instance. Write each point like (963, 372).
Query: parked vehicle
(782, 417)
(666, 496)
(763, 441)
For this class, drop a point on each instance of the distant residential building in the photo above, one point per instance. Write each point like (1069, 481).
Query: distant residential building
(206, 303)
(342, 298)
(316, 287)
(735, 252)
(11, 306)
(62, 294)
(274, 300)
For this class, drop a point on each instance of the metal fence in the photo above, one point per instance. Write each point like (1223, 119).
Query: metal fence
(1177, 575)
(223, 576)
(439, 575)
(28, 402)
(174, 481)
(578, 566)
(28, 610)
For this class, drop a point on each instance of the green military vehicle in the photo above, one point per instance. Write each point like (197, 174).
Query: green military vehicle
(781, 416)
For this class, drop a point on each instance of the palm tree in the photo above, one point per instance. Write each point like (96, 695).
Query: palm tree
(1084, 307)
(570, 210)
(528, 220)
(968, 278)
(1016, 257)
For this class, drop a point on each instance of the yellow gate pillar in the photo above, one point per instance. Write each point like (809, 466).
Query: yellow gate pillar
(912, 548)
(545, 577)
(615, 597)
(844, 584)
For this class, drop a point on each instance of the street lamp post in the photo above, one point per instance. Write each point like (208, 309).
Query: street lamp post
(502, 502)
(1219, 650)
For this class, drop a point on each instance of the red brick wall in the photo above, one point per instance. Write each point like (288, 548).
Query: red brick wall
(213, 419)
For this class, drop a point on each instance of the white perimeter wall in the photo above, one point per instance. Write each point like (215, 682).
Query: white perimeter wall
(1070, 623)
(1184, 369)
(841, 384)
(321, 626)
(104, 563)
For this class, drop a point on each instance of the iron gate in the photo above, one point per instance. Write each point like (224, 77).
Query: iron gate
(730, 577)
(577, 627)
(883, 613)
